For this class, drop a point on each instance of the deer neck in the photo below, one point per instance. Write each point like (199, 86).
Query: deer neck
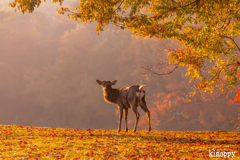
(111, 95)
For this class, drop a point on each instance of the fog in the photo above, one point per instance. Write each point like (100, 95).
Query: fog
(49, 65)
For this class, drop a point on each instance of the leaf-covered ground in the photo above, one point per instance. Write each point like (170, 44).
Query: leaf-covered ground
(18, 142)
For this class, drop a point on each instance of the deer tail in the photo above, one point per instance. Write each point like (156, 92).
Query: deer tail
(140, 93)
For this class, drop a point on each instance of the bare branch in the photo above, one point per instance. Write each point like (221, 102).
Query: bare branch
(221, 95)
(152, 72)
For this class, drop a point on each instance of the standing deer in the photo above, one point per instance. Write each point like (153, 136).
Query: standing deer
(124, 98)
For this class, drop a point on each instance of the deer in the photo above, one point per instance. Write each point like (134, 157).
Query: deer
(124, 98)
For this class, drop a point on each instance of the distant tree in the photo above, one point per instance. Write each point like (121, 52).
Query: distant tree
(206, 31)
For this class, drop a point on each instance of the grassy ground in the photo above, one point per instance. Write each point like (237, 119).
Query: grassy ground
(18, 142)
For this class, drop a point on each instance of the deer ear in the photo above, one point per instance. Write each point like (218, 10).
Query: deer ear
(113, 82)
(99, 82)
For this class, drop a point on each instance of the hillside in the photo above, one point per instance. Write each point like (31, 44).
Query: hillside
(19, 142)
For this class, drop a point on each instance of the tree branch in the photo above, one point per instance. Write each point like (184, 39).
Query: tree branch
(195, 2)
(233, 42)
(220, 95)
(174, 2)
(151, 71)
(119, 6)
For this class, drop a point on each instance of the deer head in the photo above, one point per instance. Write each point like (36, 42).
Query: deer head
(106, 85)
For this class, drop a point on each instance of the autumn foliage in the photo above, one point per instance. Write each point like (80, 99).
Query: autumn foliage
(18, 142)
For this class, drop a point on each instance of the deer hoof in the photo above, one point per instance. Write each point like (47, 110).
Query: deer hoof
(149, 129)
(119, 130)
(126, 130)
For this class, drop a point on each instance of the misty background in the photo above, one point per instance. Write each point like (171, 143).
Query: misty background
(49, 65)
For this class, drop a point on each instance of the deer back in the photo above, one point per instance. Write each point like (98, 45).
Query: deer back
(128, 94)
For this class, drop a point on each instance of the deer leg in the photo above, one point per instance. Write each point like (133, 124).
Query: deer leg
(120, 108)
(137, 115)
(125, 117)
(145, 109)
